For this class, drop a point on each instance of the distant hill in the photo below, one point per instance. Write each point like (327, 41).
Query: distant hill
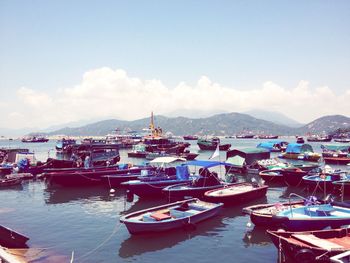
(275, 117)
(325, 124)
(220, 124)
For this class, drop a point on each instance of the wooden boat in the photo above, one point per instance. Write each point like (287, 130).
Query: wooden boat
(268, 137)
(312, 217)
(343, 187)
(298, 151)
(239, 160)
(8, 182)
(245, 136)
(273, 146)
(236, 193)
(203, 182)
(325, 180)
(293, 176)
(190, 137)
(211, 145)
(262, 214)
(342, 140)
(300, 139)
(170, 216)
(312, 246)
(273, 176)
(337, 160)
(318, 138)
(12, 239)
(89, 176)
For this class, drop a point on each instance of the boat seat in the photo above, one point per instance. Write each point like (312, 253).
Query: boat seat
(160, 216)
(317, 242)
(179, 214)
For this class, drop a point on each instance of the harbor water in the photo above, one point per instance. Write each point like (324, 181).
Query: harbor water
(84, 222)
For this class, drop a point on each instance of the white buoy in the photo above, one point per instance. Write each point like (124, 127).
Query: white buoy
(112, 191)
(249, 224)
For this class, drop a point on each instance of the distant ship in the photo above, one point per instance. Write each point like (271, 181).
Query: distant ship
(34, 139)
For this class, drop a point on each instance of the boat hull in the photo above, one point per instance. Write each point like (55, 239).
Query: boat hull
(12, 239)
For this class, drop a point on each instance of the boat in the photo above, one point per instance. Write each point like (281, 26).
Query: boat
(190, 137)
(235, 194)
(204, 181)
(8, 182)
(336, 154)
(342, 187)
(324, 180)
(311, 217)
(64, 145)
(272, 176)
(300, 139)
(319, 138)
(293, 176)
(266, 164)
(34, 138)
(312, 246)
(170, 216)
(211, 145)
(12, 239)
(245, 136)
(151, 186)
(298, 151)
(342, 140)
(267, 136)
(262, 214)
(240, 159)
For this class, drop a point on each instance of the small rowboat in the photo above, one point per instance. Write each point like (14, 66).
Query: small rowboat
(170, 216)
(12, 239)
(312, 246)
(272, 176)
(236, 193)
(7, 182)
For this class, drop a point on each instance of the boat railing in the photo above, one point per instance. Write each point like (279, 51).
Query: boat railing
(290, 204)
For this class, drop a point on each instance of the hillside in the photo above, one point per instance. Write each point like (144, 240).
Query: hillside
(325, 124)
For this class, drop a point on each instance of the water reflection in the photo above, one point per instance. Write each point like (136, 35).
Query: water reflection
(256, 236)
(59, 195)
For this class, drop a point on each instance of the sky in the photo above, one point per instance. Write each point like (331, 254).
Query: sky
(67, 61)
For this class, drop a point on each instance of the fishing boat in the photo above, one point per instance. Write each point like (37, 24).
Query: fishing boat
(312, 246)
(35, 138)
(319, 138)
(324, 180)
(272, 176)
(64, 145)
(12, 239)
(204, 181)
(236, 193)
(262, 214)
(211, 145)
(342, 187)
(312, 217)
(245, 136)
(293, 176)
(170, 216)
(298, 151)
(151, 186)
(342, 140)
(266, 164)
(262, 136)
(300, 139)
(239, 160)
(336, 154)
(8, 182)
(190, 137)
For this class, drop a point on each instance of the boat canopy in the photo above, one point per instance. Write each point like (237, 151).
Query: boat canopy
(280, 142)
(248, 155)
(268, 145)
(166, 160)
(299, 148)
(336, 147)
(206, 164)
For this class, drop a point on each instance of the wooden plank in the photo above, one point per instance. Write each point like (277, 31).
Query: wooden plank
(318, 242)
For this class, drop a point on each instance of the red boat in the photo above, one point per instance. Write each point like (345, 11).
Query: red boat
(190, 137)
(312, 246)
(337, 160)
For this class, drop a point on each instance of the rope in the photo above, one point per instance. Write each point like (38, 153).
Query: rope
(100, 245)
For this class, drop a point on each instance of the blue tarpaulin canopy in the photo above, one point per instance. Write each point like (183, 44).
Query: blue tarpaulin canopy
(266, 145)
(299, 148)
(206, 164)
(182, 173)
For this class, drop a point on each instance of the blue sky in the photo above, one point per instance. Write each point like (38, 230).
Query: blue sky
(47, 46)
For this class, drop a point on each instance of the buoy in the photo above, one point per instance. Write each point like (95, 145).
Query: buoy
(249, 224)
(112, 191)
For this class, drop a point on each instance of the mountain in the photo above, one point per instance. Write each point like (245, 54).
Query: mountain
(275, 117)
(325, 124)
(220, 124)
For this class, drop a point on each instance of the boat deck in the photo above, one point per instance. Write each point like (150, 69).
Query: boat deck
(232, 190)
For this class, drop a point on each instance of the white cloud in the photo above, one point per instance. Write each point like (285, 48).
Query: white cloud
(105, 93)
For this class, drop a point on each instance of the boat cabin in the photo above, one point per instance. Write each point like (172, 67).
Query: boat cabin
(240, 159)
